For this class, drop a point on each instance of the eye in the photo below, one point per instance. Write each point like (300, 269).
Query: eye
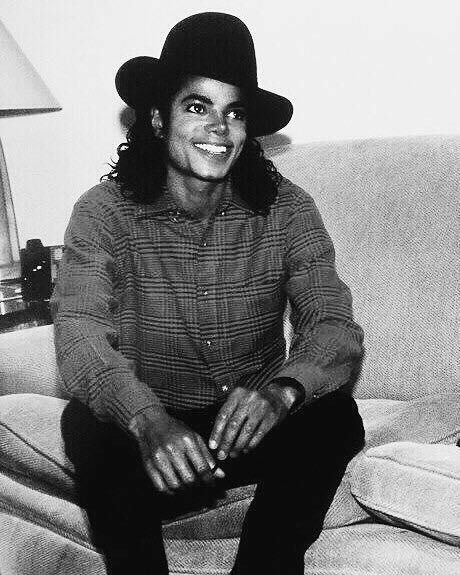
(237, 114)
(196, 108)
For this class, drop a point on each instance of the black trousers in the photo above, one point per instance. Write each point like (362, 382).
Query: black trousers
(297, 467)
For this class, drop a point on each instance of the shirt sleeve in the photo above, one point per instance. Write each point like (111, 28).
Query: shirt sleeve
(83, 303)
(327, 345)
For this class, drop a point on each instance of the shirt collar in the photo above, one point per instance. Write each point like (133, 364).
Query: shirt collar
(164, 204)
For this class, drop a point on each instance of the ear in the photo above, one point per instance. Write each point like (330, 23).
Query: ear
(157, 122)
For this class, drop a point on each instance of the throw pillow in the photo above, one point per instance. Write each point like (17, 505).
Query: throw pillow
(414, 485)
(430, 419)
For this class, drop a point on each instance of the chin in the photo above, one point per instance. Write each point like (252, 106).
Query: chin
(212, 175)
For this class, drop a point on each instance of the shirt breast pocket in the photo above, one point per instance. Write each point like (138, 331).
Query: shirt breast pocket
(156, 252)
(146, 262)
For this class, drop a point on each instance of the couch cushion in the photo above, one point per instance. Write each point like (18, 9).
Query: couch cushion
(379, 549)
(59, 529)
(412, 484)
(31, 446)
(432, 419)
(32, 449)
(28, 362)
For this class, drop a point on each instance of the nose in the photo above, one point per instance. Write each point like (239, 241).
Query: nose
(218, 124)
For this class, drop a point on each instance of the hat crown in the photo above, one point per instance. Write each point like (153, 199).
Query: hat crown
(214, 45)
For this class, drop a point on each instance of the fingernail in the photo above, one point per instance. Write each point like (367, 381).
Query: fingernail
(212, 444)
(219, 473)
(221, 455)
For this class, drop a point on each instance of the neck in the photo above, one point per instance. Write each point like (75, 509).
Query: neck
(198, 198)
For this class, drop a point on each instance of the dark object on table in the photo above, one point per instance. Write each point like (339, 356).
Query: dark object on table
(35, 271)
(24, 301)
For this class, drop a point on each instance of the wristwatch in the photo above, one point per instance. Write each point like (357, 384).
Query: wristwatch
(297, 387)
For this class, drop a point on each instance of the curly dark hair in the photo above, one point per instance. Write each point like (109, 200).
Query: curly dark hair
(141, 166)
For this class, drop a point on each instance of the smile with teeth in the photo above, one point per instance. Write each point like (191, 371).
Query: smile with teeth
(212, 149)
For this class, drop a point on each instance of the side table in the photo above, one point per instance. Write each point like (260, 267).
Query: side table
(15, 313)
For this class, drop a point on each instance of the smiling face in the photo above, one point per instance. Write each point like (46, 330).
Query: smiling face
(206, 130)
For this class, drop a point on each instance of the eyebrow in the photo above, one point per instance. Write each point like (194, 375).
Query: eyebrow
(206, 100)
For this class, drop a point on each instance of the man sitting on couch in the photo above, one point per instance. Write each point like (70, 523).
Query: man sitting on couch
(168, 313)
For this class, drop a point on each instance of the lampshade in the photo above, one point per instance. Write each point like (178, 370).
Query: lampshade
(22, 91)
(21, 88)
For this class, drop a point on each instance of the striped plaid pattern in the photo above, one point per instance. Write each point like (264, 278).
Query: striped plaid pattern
(151, 306)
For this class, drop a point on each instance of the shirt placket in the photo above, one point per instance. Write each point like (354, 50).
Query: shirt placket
(206, 293)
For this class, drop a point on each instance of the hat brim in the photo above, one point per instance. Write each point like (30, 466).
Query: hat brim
(269, 113)
(138, 80)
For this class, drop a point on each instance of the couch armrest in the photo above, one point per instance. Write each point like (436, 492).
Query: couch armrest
(28, 362)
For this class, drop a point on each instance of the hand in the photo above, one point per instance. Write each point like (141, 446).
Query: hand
(247, 416)
(174, 455)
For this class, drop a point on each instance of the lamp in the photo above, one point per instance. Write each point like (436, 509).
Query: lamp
(22, 91)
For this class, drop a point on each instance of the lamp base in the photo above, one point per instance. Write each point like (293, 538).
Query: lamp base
(10, 271)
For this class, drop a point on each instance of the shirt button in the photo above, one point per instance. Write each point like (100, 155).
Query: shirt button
(208, 342)
(205, 292)
(222, 213)
(204, 244)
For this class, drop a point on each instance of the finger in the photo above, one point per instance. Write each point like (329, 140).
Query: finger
(181, 466)
(150, 468)
(164, 466)
(247, 431)
(231, 431)
(261, 432)
(156, 478)
(201, 465)
(214, 470)
(222, 418)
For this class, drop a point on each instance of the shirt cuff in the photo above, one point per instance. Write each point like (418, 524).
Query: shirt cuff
(129, 400)
(291, 382)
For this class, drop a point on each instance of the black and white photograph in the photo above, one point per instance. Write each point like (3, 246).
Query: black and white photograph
(229, 287)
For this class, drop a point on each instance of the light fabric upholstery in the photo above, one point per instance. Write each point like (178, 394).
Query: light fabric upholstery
(32, 448)
(374, 549)
(366, 549)
(429, 419)
(412, 484)
(46, 552)
(391, 206)
(28, 362)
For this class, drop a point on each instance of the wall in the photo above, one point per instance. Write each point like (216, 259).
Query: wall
(353, 69)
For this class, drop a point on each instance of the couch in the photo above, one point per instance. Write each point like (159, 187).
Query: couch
(391, 206)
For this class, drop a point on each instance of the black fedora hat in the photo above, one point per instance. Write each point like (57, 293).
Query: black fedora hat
(210, 44)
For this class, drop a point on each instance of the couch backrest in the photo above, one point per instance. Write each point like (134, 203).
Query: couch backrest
(392, 209)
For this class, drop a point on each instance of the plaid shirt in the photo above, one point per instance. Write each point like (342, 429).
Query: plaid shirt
(151, 306)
